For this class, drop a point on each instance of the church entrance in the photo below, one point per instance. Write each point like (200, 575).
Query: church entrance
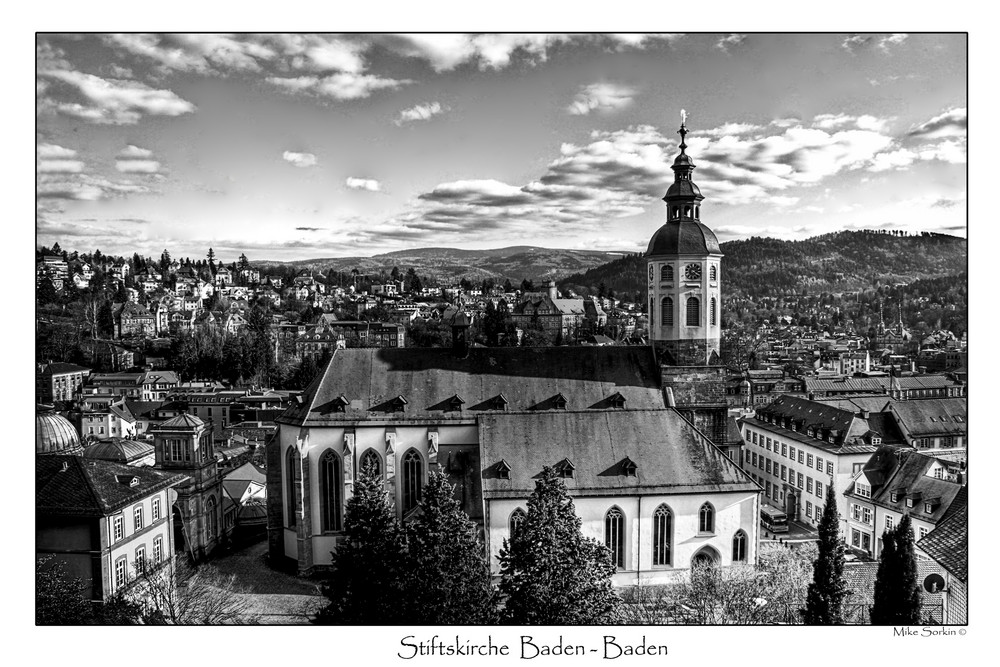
(706, 556)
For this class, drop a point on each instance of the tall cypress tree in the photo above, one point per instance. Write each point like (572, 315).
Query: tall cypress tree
(447, 573)
(549, 573)
(366, 587)
(825, 597)
(897, 592)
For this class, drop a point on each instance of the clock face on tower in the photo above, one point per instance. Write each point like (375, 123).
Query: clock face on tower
(692, 272)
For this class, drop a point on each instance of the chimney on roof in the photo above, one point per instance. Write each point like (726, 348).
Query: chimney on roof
(863, 413)
(812, 396)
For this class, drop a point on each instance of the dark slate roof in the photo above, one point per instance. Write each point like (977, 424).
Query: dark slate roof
(683, 238)
(59, 367)
(932, 416)
(910, 476)
(877, 384)
(818, 415)
(247, 472)
(948, 543)
(882, 465)
(872, 403)
(671, 455)
(180, 421)
(530, 378)
(119, 449)
(142, 408)
(860, 578)
(72, 485)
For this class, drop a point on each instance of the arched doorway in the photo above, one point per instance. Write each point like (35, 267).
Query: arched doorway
(706, 556)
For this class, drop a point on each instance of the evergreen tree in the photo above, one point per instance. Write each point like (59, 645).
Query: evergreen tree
(825, 597)
(447, 573)
(549, 573)
(164, 261)
(367, 586)
(897, 593)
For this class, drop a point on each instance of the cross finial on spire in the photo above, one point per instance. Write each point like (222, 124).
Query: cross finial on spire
(683, 131)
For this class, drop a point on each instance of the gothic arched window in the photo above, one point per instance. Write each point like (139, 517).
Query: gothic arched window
(693, 311)
(663, 528)
(614, 535)
(711, 312)
(293, 477)
(667, 312)
(739, 547)
(666, 272)
(210, 514)
(330, 484)
(517, 519)
(413, 479)
(706, 519)
(371, 464)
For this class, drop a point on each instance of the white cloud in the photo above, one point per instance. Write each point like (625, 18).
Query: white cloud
(300, 159)
(59, 167)
(368, 184)
(951, 123)
(340, 86)
(114, 101)
(727, 41)
(603, 97)
(892, 40)
(854, 42)
(48, 151)
(131, 152)
(419, 112)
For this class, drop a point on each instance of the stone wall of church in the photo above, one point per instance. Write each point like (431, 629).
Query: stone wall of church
(692, 352)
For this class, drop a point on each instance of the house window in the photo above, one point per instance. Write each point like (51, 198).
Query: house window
(666, 273)
(829, 468)
(768, 466)
(809, 484)
(693, 311)
(371, 464)
(663, 524)
(866, 541)
(767, 488)
(711, 311)
(156, 509)
(137, 514)
(791, 453)
(157, 549)
(866, 515)
(784, 449)
(739, 547)
(614, 535)
(890, 522)
(293, 475)
(753, 459)
(922, 533)
(712, 269)
(800, 456)
(121, 572)
(667, 312)
(331, 482)
(856, 512)
(140, 559)
(706, 519)
(800, 483)
(784, 474)
(413, 479)
(809, 509)
(118, 527)
(809, 460)
(517, 519)
(819, 489)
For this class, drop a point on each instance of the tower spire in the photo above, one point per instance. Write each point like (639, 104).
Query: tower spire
(683, 131)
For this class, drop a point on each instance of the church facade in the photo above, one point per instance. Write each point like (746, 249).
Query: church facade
(633, 431)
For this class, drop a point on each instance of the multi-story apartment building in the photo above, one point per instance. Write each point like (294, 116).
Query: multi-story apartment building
(795, 448)
(59, 382)
(146, 386)
(895, 482)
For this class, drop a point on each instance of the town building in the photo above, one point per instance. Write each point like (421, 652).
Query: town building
(59, 381)
(948, 546)
(144, 386)
(901, 388)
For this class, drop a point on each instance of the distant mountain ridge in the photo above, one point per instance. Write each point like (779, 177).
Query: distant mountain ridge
(451, 264)
(840, 261)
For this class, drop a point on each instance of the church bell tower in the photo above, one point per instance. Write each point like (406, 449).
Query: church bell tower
(684, 265)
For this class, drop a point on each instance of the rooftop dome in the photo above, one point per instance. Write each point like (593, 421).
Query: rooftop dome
(119, 450)
(54, 434)
(683, 238)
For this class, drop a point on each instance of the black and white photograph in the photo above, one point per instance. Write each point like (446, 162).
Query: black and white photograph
(437, 337)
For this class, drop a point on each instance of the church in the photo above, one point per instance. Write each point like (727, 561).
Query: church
(639, 434)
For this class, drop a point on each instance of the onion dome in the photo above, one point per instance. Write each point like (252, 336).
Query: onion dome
(688, 238)
(120, 450)
(54, 434)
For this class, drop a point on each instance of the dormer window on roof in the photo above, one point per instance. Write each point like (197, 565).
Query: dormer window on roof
(503, 469)
(896, 494)
(629, 467)
(455, 403)
(617, 400)
(931, 504)
(565, 468)
(398, 404)
(340, 403)
(559, 402)
(499, 402)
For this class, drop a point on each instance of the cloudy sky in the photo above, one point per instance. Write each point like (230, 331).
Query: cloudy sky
(298, 146)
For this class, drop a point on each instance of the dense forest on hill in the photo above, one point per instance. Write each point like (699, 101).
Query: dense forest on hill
(837, 262)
